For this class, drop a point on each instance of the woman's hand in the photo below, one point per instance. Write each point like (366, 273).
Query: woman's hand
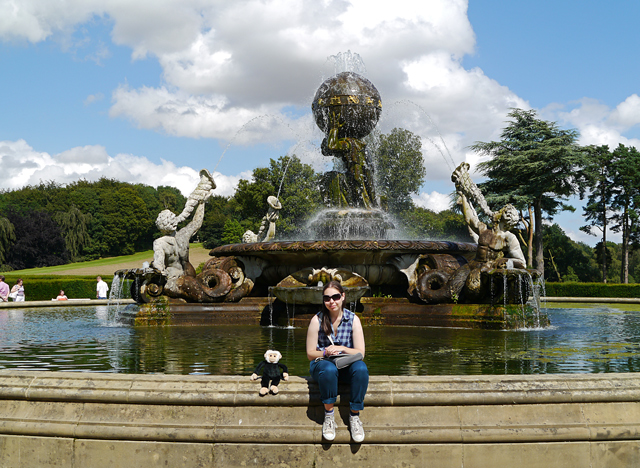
(333, 349)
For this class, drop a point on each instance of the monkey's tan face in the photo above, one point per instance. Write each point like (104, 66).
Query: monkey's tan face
(273, 357)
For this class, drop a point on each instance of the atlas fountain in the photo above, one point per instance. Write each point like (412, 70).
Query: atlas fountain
(416, 282)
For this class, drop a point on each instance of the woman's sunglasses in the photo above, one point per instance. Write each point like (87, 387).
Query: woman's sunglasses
(335, 297)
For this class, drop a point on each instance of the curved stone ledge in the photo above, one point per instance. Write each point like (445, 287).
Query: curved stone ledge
(297, 391)
(556, 420)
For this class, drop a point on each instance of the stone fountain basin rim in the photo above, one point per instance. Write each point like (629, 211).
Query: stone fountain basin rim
(387, 246)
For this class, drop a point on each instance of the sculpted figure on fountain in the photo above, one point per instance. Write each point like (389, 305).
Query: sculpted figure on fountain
(171, 251)
(267, 231)
(355, 187)
(496, 244)
(498, 251)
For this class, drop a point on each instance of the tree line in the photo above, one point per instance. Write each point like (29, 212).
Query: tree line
(536, 166)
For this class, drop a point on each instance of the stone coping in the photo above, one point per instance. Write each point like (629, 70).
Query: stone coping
(217, 390)
(497, 410)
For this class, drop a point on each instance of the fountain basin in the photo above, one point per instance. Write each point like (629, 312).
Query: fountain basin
(379, 261)
(101, 420)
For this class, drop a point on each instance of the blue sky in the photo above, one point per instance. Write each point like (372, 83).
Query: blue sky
(152, 92)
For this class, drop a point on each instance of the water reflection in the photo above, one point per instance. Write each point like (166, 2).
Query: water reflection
(89, 339)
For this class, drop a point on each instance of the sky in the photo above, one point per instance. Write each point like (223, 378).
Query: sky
(152, 91)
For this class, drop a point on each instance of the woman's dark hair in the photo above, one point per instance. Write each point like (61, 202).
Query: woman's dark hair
(325, 321)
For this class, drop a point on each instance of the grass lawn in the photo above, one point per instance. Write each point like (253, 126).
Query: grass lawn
(107, 266)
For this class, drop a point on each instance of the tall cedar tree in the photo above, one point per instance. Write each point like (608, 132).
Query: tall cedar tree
(534, 164)
(599, 169)
(626, 201)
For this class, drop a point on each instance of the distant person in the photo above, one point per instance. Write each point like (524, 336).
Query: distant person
(18, 291)
(101, 289)
(61, 296)
(4, 290)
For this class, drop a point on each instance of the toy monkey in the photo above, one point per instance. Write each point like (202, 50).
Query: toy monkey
(270, 372)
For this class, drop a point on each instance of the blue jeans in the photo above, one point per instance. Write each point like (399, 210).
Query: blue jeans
(327, 375)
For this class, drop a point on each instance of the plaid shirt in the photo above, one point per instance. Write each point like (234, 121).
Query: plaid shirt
(344, 335)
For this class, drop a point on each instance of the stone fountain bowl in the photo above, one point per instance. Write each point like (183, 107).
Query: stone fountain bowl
(378, 261)
(330, 253)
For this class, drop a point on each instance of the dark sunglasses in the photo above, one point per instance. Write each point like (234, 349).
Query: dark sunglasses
(335, 297)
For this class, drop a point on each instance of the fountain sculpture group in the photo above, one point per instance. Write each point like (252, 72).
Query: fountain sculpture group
(485, 282)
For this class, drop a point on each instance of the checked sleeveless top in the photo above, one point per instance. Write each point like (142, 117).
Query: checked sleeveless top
(344, 335)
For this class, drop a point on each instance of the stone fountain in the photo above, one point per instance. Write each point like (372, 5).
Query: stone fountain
(427, 282)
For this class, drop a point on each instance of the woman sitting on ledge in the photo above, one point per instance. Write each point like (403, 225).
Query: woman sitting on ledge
(335, 330)
(61, 296)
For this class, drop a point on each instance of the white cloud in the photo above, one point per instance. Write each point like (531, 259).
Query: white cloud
(22, 165)
(627, 113)
(93, 98)
(597, 123)
(433, 201)
(234, 70)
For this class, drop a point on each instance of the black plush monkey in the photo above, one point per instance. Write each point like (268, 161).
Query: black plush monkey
(270, 372)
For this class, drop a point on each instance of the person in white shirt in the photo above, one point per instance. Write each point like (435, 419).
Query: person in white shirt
(101, 289)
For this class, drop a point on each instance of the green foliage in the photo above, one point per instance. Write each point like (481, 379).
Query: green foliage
(74, 226)
(592, 290)
(38, 241)
(570, 261)
(400, 168)
(300, 195)
(232, 233)
(422, 223)
(218, 211)
(7, 238)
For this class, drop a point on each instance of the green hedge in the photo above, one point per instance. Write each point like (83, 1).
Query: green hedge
(45, 288)
(592, 290)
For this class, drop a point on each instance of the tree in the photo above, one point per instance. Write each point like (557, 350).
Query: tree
(599, 169)
(399, 169)
(7, 238)
(233, 231)
(123, 224)
(38, 242)
(297, 187)
(74, 225)
(534, 164)
(571, 260)
(626, 201)
(604, 253)
(218, 211)
(422, 223)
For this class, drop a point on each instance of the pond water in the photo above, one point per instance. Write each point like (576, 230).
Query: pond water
(581, 340)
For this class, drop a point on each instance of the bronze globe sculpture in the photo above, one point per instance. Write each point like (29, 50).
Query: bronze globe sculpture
(353, 99)
(346, 108)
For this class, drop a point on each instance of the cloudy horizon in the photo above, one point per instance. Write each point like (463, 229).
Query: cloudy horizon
(151, 92)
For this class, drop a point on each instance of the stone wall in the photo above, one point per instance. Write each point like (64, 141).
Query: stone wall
(96, 420)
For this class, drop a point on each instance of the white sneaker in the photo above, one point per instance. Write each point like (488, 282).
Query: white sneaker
(357, 431)
(329, 427)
